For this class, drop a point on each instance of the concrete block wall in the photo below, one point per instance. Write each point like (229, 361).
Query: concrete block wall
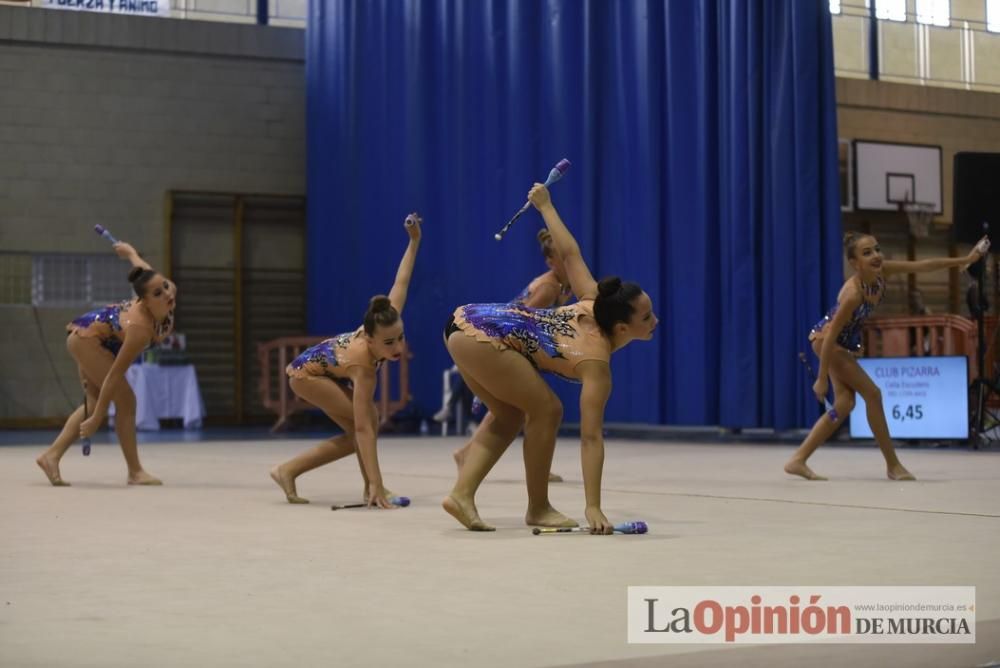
(901, 51)
(957, 120)
(100, 116)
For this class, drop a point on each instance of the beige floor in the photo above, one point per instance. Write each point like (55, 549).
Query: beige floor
(215, 569)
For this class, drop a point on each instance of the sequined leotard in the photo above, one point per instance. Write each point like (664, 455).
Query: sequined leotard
(553, 340)
(850, 336)
(110, 322)
(333, 356)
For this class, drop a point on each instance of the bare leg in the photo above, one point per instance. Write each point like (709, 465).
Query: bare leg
(460, 454)
(848, 377)
(95, 363)
(463, 452)
(823, 429)
(488, 444)
(539, 445)
(876, 419)
(513, 390)
(48, 461)
(858, 379)
(825, 426)
(459, 457)
(125, 429)
(336, 402)
(328, 451)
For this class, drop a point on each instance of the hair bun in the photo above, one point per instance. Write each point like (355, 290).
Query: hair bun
(609, 286)
(380, 312)
(134, 273)
(379, 303)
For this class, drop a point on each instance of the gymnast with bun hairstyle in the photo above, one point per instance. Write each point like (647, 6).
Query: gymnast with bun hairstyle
(104, 343)
(501, 351)
(338, 376)
(836, 340)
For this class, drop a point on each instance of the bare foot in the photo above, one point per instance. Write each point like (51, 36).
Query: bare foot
(798, 468)
(287, 486)
(143, 478)
(466, 513)
(459, 457)
(898, 472)
(555, 477)
(548, 517)
(51, 469)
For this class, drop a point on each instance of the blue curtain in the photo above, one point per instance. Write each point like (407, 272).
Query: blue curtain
(703, 140)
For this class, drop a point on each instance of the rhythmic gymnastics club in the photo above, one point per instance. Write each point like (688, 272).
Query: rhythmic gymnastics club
(401, 501)
(555, 174)
(625, 527)
(85, 442)
(827, 406)
(100, 229)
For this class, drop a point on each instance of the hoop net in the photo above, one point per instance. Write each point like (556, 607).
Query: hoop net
(919, 215)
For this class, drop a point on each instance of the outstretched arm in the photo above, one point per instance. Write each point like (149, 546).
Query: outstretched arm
(126, 252)
(596, 377)
(365, 422)
(402, 284)
(891, 267)
(580, 279)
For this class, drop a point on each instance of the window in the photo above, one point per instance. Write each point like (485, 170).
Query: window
(62, 280)
(934, 12)
(72, 280)
(894, 10)
(993, 15)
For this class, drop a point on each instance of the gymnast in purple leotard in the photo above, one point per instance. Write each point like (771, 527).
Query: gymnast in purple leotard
(836, 340)
(501, 351)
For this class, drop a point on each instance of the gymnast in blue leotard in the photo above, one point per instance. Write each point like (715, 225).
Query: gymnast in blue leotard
(545, 291)
(850, 336)
(836, 340)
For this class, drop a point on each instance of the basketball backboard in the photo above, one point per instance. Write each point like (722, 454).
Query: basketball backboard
(887, 175)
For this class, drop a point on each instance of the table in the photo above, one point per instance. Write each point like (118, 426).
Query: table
(164, 392)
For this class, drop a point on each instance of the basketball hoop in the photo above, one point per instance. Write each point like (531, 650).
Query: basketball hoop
(919, 215)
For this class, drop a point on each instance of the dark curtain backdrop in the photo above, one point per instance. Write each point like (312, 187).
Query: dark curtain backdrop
(703, 140)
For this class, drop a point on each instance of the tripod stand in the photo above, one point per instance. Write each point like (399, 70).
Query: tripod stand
(983, 387)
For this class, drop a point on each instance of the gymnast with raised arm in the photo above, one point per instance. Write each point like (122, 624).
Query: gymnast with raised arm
(104, 343)
(547, 290)
(501, 351)
(339, 375)
(836, 340)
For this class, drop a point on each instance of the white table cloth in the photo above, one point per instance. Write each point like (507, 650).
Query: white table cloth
(164, 392)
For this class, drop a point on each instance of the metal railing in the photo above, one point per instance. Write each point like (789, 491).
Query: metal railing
(281, 13)
(908, 50)
(284, 13)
